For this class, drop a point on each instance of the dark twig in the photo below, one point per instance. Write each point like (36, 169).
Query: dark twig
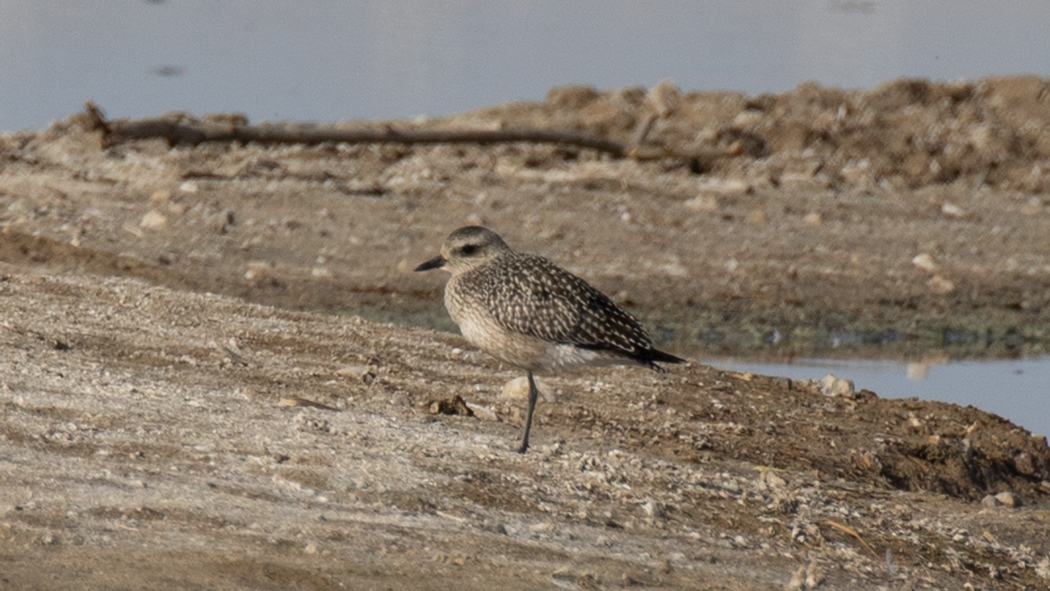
(853, 533)
(177, 129)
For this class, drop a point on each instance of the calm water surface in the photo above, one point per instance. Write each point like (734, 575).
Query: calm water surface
(326, 61)
(1017, 390)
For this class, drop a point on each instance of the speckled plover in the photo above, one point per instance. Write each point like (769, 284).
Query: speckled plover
(527, 311)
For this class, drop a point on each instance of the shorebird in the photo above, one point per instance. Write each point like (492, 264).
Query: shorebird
(530, 313)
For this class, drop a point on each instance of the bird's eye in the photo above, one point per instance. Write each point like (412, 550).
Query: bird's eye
(468, 250)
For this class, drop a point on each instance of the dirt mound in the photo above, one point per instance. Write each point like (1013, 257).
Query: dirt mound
(907, 133)
(906, 444)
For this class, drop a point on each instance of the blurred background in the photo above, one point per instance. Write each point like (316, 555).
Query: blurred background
(321, 60)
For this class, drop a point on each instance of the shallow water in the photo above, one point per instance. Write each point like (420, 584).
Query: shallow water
(1018, 390)
(333, 61)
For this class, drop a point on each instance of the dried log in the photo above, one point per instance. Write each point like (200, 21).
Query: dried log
(178, 130)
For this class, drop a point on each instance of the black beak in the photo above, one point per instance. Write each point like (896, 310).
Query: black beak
(434, 263)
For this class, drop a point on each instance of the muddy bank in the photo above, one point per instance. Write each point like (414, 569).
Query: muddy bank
(897, 219)
(195, 392)
(154, 438)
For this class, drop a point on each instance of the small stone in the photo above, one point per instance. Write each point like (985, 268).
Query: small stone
(160, 196)
(484, 413)
(941, 284)
(1008, 498)
(813, 219)
(320, 273)
(924, 262)
(310, 548)
(257, 270)
(990, 501)
(189, 187)
(154, 219)
(836, 387)
(518, 389)
(355, 371)
(953, 211)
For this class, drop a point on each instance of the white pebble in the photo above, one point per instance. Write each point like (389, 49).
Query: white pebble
(154, 219)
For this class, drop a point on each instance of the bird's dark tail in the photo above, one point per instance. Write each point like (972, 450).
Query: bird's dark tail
(646, 357)
(652, 356)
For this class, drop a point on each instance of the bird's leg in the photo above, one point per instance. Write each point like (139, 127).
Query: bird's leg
(533, 395)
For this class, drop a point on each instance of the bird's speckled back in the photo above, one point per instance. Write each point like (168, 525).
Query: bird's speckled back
(530, 295)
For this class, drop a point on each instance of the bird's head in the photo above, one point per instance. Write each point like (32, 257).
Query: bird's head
(465, 249)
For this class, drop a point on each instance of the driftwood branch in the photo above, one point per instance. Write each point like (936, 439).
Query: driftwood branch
(177, 130)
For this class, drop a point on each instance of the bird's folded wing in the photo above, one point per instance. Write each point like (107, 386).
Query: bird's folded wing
(532, 296)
